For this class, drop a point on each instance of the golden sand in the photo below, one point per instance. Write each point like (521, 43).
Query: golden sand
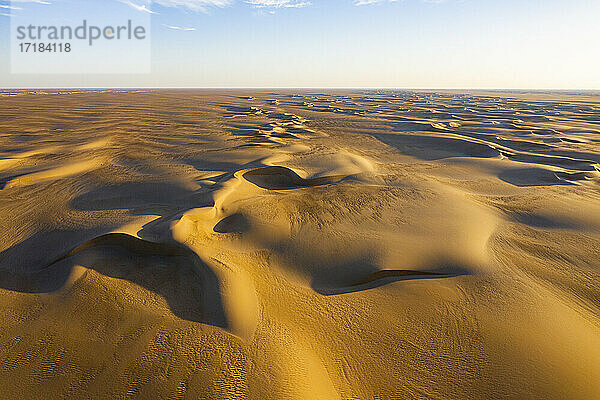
(299, 245)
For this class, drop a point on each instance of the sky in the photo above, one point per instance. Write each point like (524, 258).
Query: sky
(486, 44)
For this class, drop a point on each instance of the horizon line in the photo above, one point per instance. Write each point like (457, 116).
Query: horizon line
(288, 88)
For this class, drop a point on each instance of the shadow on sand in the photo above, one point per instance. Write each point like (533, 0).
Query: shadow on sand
(170, 270)
(51, 261)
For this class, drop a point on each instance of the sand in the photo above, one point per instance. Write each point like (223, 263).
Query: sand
(299, 245)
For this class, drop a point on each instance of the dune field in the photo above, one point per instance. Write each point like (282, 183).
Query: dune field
(190, 244)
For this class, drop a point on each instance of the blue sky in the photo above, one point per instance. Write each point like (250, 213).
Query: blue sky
(538, 44)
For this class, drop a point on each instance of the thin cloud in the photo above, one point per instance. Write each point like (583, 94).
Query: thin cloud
(179, 28)
(139, 7)
(31, 1)
(194, 5)
(278, 3)
(367, 2)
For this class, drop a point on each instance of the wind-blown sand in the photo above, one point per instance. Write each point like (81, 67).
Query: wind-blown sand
(299, 245)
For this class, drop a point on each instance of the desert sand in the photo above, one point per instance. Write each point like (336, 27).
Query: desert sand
(306, 244)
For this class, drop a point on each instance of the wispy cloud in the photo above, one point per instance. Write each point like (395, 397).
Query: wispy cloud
(139, 7)
(204, 5)
(10, 7)
(194, 5)
(31, 1)
(178, 28)
(367, 2)
(267, 5)
(279, 3)
(15, 8)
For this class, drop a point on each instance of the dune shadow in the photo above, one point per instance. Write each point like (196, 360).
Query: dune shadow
(431, 148)
(282, 178)
(385, 277)
(555, 161)
(354, 273)
(139, 195)
(532, 176)
(189, 286)
(47, 261)
(235, 223)
(382, 277)
(5, 181)
(240, 111)
(544, 222)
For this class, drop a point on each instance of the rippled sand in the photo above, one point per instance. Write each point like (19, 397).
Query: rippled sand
(299, 245)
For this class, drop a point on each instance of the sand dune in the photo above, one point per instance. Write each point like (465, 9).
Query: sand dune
(299, 245)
